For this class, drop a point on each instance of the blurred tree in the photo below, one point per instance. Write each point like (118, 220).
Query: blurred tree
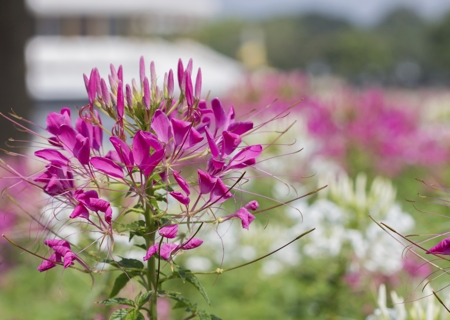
(440, 47)
(223, 36)
(296, 42)
(15, 28)
(356, 52)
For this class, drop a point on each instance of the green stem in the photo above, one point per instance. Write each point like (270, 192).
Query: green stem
(151, 227)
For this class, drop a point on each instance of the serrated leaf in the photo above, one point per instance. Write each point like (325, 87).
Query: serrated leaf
(134, 315)
(120, 282)
(186, 275)
(181, 300)
(179, 305)
(127, 314)
(126, 263)
(213, 317)
(120, 314)
(113, 301)
(143, 299)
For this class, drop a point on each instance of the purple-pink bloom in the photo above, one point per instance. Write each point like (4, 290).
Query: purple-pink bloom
(168, 248)
(206, 182)
(169, 231)
(180, 197)
(61, 250)
(442, 247)
(244, 215)
(107, 166)
(220, 192)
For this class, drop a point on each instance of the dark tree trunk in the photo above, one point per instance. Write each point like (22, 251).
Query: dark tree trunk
(15, 29)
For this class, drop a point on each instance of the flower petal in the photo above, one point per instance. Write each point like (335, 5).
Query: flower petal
(442, 247)
(169, 231)
(107, 166)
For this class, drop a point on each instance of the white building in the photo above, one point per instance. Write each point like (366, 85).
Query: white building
(72, 37)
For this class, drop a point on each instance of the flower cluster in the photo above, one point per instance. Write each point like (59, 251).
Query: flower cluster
(362, 131)
(179, 160)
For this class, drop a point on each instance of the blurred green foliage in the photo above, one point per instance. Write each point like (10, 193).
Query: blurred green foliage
(403, 49)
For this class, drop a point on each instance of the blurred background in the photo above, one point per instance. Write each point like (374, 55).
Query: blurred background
(370, 84)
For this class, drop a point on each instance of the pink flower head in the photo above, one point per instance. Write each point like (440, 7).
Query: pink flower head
(168, 248)
(62, 253)
(90, 200)
(244, 215)
(58, 179)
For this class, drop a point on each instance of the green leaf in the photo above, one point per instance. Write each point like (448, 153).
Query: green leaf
(142, 246)
(213, 317)
(203, 315)
(113, 301)
(126, 263)
(181, 301)
(186, 275)
(127, 314)
(134, 315)
(121, 281)
(143, 299)
(120, 314)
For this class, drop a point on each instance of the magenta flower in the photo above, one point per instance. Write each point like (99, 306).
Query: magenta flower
(62, 253)
(442, 247)
(243, 214)
(168, 248)
(89, 200)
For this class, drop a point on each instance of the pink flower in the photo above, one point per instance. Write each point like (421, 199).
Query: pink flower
(442, 247)
(62, 253)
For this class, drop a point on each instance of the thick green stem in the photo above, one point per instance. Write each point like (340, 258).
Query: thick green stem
(151, 227)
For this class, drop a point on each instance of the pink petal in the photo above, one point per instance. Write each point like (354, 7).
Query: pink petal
(245, 157)
(45, 265)
(170, 85)
(96, 204)
(80, 211)
(198, 84)
(120, 99)
(192, 244)
(252, 205)
(442, 247)
(245, 216)
(180, 128)
(54, 156)
(219, 113)
(181, 182)
(123, 150)
(82, 149)
(220, 192)
(162, 126)
(153, 161)
(180, 73)
(206, 182)
(166, 250)
(141, 69)
(169, 231)
(68, 137)
(230, 142)
(146, 98)
(151, 251)
(240, 127)
(107, 166)
(180, 197)
(212, 144)
(56, 243)
(105, 93)
(69, 258)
